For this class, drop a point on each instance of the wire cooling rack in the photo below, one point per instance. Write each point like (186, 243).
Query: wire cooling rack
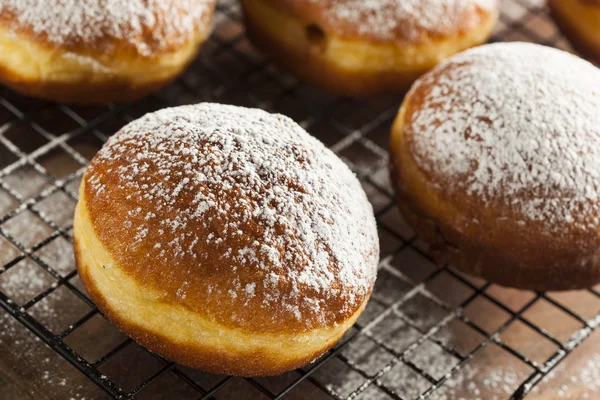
(428, 332)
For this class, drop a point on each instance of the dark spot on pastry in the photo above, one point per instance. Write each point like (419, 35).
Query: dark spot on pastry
(315, 35)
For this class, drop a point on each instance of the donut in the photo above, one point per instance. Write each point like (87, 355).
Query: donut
(494, 158)
(90, 51)
(226, 239)
(579, 20)
(364, 48)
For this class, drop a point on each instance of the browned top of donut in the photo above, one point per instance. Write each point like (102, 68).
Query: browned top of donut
(236, 214)
(515, 127)
(392, 20)
(145, 26)
(592, 2)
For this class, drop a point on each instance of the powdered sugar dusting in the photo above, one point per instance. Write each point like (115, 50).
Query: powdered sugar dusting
(477, 384)
(408, 19)
(584, 384)
(24, 281)
(514, 123)
(146, 24)
(281, 213)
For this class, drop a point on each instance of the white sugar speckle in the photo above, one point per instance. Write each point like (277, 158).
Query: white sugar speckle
(250, 289)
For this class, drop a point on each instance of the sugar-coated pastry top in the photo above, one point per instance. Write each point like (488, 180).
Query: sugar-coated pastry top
(237, 214)
(516, 126)
(145, 25)
(393, 20)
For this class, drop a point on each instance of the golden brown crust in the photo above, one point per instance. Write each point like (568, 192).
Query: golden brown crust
(585, 44)
(488, 238)
(143, 27)
(228, 259)
(322, 73)
(341, 18)
(536, 261)
(112, 90)
(109, 62)
(225, 239)
(205, 358)
(592, 2)
(345, 64)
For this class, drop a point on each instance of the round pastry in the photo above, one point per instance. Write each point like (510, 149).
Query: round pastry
(91, 51)
(226, 239)
(580, 22)
(494, 157)
(359, 47)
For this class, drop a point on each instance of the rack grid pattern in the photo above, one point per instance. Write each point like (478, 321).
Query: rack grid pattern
(423, 327)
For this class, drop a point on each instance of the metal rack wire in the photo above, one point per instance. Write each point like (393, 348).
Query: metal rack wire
(419, 313)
